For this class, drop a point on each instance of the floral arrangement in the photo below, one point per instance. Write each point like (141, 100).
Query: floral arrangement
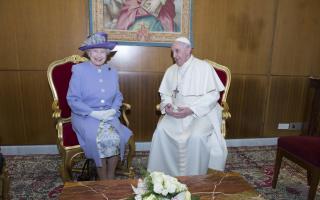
(158, 186)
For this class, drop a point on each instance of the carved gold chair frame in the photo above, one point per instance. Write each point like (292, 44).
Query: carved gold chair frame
(225, 112)
(69, 153)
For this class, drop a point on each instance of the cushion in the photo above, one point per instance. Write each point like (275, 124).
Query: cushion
(223, 77)
(69, 136)
(305, 147)
(61, 77)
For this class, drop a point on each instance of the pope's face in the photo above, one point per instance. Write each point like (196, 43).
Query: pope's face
(98, 56)
(181, 52)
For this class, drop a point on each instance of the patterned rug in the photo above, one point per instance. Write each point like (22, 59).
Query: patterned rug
(37, 177)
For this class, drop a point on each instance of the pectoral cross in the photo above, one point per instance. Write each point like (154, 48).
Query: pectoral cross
(176, 91)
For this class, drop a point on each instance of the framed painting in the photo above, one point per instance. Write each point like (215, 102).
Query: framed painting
(142, 22)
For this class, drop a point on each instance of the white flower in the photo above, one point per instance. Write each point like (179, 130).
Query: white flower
(140, 189)
(141, 184)
(188, 195)
(170, 186)
(157, 177)
(183, 196)
(164, 192)
(162, 186)
(181, 187)
(157, 188)
(138, 197)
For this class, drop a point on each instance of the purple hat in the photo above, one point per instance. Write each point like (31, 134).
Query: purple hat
(97, 40)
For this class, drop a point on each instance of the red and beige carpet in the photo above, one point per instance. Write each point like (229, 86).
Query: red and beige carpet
(37, 177)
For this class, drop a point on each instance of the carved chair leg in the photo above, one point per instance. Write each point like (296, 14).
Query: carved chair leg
(132, 149)
(277, 168)
(314, 181)
(65, 169)
(131, 173)
(309, 176)
(5, 185)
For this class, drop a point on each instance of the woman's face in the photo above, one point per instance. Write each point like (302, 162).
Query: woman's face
(98, 56)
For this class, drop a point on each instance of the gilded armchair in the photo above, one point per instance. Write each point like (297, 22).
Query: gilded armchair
(59, 74)
(225, 77)
(4, 181)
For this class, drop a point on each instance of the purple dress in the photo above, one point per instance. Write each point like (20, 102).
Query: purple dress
(90, 89)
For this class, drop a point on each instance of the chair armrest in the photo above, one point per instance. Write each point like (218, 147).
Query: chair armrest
(59, 127)
(56, 110)
(225, 112)
(225, 115)
(124, 109)
(158, 107)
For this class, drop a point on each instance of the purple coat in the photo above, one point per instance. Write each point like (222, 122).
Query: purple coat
(92, 89)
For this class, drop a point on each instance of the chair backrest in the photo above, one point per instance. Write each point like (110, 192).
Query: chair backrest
(59, 74)
(225, 77)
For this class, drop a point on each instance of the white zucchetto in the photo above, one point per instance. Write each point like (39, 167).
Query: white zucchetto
(183, 40)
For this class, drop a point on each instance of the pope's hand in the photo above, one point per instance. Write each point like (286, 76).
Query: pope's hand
(169, 109)
(103, 114)
(182, 112)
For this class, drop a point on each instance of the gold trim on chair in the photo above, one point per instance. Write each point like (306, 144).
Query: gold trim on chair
(225, 112)
(228, 73)
(124, 109)
(55, 104)
(4, 183)
(68, 153)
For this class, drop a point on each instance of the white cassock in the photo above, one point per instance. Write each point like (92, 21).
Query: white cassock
(191, 145)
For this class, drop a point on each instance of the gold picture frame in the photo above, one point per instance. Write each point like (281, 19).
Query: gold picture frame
(142, 22)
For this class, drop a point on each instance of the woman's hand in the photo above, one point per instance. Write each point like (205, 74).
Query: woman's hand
(103, 114)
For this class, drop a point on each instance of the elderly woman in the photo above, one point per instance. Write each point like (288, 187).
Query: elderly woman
(95, 99)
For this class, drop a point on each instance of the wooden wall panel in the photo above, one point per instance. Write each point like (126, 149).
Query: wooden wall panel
(141, 91)
(142, 59)
(48, 30)
(7, 35)
(247, 99)
(286, 103)
(36, 103)
(75, 27)
(258, 40)
(236, 33)
(315, 70)
(12, 124)
(296, 49)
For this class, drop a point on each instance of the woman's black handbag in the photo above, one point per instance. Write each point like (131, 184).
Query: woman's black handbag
(88, 172)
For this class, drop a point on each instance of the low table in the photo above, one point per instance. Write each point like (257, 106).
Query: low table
(215, 185)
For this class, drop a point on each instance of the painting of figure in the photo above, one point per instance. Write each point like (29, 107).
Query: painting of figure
(147, 21)
(156, 15)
